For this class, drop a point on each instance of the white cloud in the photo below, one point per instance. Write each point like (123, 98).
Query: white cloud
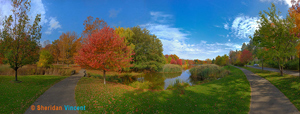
(244, 26)
(160, 17)
(53, 24)
(287, 2)
(174, 40)
(37, 7)
(113, 13)
(228, 40)
(226, 26)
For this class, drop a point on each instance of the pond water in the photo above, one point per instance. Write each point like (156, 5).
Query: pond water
(166, 79)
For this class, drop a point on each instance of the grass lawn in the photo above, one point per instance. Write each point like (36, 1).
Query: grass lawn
(227, 95)
(287, 84)
(17, 97)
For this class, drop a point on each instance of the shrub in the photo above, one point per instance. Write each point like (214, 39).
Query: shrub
(208, 71)
(171, 68)
(292, 64)
(45, 59)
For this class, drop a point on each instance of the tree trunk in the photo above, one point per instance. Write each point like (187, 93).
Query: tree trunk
(281, 71)
(299, 67)
(16, 74)
(104, 76)
(262, 64)
(280, 68)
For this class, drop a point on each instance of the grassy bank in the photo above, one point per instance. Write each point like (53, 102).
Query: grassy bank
(17, 97)
(208, 71)
(171, 68)
(287, 84)
(230, 94)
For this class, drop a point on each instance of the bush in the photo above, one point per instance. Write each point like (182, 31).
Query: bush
(209, 71)
(292, 64)
(171, 68)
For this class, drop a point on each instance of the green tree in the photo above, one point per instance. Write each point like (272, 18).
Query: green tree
(20, 39)
(148, 50)
(243, 46)
(45, 59)
(275, 34)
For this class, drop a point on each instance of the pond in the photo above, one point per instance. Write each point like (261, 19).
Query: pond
(165, 79)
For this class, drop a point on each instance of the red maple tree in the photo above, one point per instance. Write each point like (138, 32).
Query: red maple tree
(173, 61)
(179, 61)
(246, 56)
(104, 50)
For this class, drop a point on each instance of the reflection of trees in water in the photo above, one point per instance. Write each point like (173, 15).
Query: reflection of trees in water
(193, 79)
(171, 75)
(155, 78)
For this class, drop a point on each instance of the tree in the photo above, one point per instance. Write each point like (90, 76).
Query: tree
(67, 46)
(174, 56)
(45, 59)
(128, 35)
(294, 12)
(148, 50)
(20, 40)
(179, 62)
(246, 56)
(173, 61)
(104, 50)
(91, 26)
(244, 46)
(191, 62)
(213, 61)
(208, 61)
(275, 34)
(54, 50)
(169, 59)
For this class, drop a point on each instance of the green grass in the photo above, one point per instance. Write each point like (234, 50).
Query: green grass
(17, 97)
(287, 84)
(230, 94)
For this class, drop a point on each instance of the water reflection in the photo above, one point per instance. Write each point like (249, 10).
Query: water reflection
(163, 80)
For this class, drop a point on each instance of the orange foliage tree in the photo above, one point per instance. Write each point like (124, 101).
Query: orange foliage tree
(91, 26)
(68, 43)
(246, 56)
(104, 50)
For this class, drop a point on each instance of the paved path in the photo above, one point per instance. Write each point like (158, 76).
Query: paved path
(60, 94)
(266, 98)
(294, 73)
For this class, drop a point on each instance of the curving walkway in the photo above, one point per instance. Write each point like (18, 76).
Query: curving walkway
(60, 94)
(266, 98)
(290, 72)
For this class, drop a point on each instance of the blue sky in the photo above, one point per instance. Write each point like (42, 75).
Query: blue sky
(191, 29)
